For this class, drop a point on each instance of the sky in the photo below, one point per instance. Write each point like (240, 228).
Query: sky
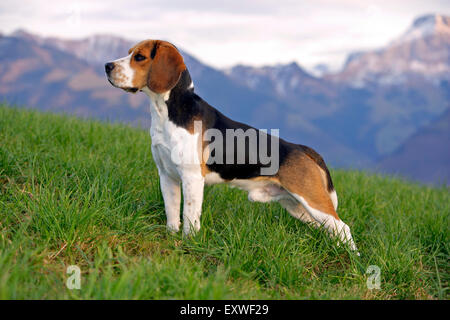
(225, 33)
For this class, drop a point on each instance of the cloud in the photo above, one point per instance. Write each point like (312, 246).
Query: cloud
(253, 32)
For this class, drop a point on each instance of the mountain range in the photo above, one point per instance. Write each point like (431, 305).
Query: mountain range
(421, 53)
(364, 116)
(424, 156)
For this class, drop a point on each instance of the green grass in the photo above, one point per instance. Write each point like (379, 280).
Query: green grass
(85, 193)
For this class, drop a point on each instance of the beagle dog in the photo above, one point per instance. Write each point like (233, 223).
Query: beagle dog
(182, 127)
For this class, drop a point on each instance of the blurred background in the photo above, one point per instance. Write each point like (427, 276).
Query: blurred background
(365, 83)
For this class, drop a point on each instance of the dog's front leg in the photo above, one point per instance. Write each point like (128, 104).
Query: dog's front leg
(192, 202)
(171, 193)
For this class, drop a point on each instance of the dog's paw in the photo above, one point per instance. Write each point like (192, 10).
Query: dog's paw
(173, 227)
(345, 236)
(190, 229)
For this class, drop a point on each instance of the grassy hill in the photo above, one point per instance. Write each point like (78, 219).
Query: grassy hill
(85, 193)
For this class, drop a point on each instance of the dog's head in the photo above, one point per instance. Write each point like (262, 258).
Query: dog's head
(154, 64)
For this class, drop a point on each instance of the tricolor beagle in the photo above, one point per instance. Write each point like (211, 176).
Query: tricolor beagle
(182, 125)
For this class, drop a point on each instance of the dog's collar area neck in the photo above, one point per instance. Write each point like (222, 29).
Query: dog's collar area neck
(184, 84)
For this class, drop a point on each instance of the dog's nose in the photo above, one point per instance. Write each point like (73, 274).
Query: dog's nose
(109, 67)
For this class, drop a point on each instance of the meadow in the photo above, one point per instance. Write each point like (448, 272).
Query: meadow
(86, 193)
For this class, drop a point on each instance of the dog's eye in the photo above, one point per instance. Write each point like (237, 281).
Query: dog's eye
(139, 57)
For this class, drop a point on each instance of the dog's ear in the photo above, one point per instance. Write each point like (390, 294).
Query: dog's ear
(131, 49)
(166, 68)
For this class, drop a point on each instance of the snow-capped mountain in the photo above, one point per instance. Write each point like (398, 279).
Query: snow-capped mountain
(380, 97)
(320, 70)
(95, 49)
(425, 26)
(422, 53)
(281, 78)
(100, 48)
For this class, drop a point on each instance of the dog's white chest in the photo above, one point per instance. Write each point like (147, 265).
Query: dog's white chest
(174, 148)
(161, 153)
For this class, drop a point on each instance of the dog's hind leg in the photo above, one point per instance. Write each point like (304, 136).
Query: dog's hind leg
(305, 181)
(331, 223)
(296, 210)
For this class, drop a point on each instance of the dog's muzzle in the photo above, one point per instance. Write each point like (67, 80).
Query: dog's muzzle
(109, 67)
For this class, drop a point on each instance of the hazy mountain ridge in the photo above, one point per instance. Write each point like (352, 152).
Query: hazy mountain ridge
(425, 156)
(38, 75)
(349, 125)
(71, 80)
(379, 99)
(95, 49)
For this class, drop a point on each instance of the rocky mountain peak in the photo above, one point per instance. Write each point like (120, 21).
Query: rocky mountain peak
(427, 25)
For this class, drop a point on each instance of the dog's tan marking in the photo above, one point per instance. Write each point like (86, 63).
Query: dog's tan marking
(301, 175)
